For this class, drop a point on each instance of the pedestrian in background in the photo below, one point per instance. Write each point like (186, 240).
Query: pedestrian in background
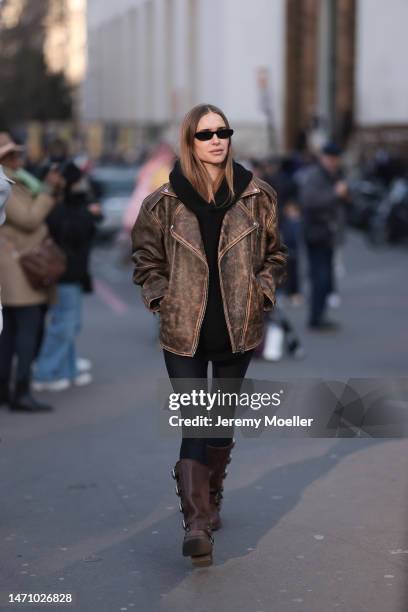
(5, 191)
(23, 230)
(72, 225)
(208, 257)
(277, 172)
(322, 193)
(280, 334)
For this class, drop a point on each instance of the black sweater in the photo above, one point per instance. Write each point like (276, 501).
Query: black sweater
(214, 342)
(72, 227)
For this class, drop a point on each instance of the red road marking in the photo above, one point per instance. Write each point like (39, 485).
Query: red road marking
(108, 297)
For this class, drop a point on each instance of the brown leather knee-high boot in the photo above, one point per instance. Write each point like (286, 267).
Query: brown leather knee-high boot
(194, 491)
(218, 458)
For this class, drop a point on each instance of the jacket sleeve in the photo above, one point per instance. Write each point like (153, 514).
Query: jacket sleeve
(28, 213)
(273, 271)
(151, 269)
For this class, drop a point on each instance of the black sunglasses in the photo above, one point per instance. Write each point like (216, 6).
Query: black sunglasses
(208, 134)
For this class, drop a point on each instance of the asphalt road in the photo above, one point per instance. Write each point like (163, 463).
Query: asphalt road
(312, 525)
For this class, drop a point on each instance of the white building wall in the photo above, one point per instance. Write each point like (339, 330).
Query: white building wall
(256, 42)
(210, 42)
(142, 93)
(382, 49)
(179, 58)
(151, 60)
(160, 98)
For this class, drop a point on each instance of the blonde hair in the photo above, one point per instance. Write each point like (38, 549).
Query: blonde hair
(193, 169)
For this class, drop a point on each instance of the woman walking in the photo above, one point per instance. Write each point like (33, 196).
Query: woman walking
(208, 257)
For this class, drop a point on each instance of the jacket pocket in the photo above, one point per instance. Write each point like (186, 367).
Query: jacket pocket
(256, 315)
(258, 299)
(269, 296)
(163, 300)
(259, 291)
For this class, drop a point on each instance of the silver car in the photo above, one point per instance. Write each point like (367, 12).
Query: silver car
(113, 186)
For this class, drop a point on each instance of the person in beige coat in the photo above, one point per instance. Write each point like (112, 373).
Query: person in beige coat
(22, 305)
(5, 190)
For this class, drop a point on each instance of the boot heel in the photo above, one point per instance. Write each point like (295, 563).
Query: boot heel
(196, 547)
(202, 560)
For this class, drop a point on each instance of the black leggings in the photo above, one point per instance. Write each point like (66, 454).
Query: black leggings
(179, 366)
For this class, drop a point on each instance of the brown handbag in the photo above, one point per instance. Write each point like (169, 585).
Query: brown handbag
(44, 264)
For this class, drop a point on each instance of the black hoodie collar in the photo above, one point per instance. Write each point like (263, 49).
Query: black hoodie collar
(189, 196)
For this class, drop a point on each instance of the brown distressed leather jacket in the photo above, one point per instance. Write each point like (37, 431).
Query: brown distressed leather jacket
(171, 266)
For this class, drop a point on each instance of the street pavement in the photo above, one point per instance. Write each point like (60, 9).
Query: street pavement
(313, 525)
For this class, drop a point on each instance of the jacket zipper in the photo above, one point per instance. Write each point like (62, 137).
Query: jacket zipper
(203, 309)
(244, 329)
(204, 305)
(241, 348)
(224, 307)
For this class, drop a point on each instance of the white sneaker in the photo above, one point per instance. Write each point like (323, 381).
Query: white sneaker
(83, 379)
(83, 365)
(334, 300)
(51, 385)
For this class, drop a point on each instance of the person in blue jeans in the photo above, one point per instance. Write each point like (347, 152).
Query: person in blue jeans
(56, 367)
(72, 225)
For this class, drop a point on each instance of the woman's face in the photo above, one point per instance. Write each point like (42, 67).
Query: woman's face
(13, 161)
(212, 151)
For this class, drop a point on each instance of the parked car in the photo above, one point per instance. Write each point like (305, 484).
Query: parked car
(113, 186)
(390, 222)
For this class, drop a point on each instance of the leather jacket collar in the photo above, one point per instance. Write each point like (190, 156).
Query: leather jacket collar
(237, 223)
